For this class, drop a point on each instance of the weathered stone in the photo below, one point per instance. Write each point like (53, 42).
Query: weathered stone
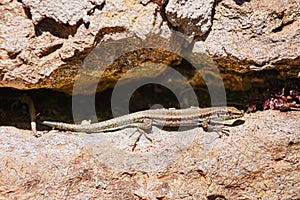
(193, 18)
(41, 41)
(53, 47)
(64, 11)
(258, 33)
(258, 160)
(50, 44)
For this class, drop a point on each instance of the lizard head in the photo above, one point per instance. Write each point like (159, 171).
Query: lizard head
(227, 113)
(234, 112)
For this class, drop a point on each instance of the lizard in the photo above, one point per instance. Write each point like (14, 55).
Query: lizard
(144, 120)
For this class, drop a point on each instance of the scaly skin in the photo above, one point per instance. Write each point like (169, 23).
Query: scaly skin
(159, 117)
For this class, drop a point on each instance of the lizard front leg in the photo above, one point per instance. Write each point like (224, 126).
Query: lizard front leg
(214, 128)
(220, 127)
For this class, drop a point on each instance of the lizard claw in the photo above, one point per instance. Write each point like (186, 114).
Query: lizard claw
(224, 131)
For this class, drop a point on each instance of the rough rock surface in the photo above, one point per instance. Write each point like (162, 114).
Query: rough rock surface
(191, 17)
(64, 11)
(258, 160)
(49, 44)
(44, 44)
(263, 33)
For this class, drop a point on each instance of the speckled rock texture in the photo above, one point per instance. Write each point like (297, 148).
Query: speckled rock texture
(52, 44)
(44, 44)
(191, 17)
(265, 33)
(258, 160)
(63, 11)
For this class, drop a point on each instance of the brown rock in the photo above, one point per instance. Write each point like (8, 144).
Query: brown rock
(258, 160)
(49, 44)
(193, 18)
(43, 45)
(256, 32)
(66, 12)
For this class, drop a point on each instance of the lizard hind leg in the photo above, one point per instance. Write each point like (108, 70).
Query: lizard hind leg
(143, 129)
